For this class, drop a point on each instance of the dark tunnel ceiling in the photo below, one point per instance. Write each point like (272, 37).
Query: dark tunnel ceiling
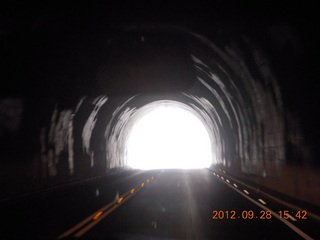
(54, 51)
(145, 61)
(51, 41)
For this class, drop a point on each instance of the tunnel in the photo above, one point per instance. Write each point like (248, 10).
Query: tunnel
(235, 96)
(78, 117)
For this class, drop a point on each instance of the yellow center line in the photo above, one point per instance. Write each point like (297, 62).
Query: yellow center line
(98, 215)
(89, 226)
(83, 222)
(92, 224)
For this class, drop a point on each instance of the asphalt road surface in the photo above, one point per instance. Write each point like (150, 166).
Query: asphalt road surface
(158, 204)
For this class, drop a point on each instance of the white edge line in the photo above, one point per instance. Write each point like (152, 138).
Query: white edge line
(292, 218)
(290, 225)
(261, 200)
(289, 205)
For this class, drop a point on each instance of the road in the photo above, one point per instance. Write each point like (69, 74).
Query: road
(158, 204)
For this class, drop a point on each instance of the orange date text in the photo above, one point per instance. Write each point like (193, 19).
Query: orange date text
(245, 214)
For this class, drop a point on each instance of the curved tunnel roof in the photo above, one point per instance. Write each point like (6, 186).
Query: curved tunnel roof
(85, 119)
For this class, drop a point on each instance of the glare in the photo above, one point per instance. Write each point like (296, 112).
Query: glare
(169, 137)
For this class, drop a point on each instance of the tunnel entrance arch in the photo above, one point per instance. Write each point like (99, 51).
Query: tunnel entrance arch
(127, 116)
(167, 134)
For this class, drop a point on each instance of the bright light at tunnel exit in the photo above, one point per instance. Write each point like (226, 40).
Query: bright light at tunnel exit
(168, 137)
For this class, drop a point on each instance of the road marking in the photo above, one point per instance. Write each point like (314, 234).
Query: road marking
(289, 205)
(89, 226)
(292, 218)
(246, 192)
(97, 216)
(290, 225)
(92, 224)
(263, 202)
(83, 222)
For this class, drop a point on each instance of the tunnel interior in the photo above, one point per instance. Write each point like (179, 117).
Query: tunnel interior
(242, 114)
(231, 90)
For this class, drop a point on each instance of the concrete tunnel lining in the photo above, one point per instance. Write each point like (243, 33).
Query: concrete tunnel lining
(237, 108)
(239, 111)
(238, 100)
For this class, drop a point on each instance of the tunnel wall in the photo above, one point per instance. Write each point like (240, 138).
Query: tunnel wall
(235, 93)
(250, 105)
(262, 139)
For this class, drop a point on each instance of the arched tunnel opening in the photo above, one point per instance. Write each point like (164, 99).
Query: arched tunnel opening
(243, 115)
(135, 105)
(167, 134)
